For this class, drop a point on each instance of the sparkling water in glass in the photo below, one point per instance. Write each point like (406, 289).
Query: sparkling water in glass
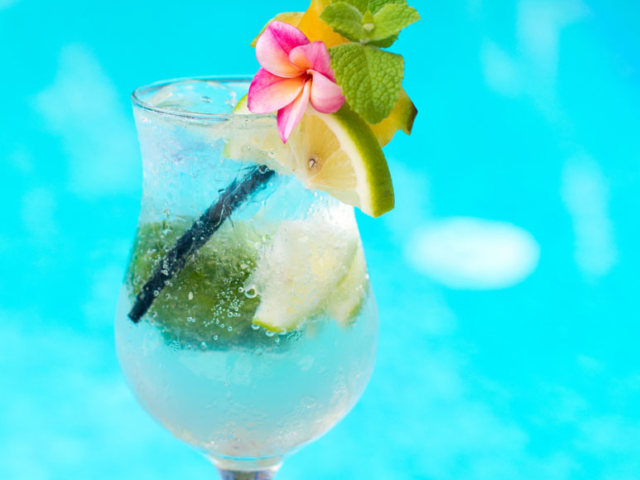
(201, 359)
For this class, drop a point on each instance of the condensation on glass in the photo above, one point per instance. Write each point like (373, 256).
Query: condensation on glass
(197, 361)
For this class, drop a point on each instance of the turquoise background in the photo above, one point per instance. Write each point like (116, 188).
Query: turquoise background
(507, 276)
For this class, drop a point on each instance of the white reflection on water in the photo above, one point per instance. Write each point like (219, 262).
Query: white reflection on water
(532, 66)
(77, 402)
(501, 72)
(7, 3)
(586, 195)
(472, 253)
(539, 26)
(84, 108)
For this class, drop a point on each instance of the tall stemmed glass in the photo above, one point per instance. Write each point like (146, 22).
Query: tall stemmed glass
(246, 324)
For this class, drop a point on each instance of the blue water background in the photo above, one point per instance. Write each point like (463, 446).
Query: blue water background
(507, 276)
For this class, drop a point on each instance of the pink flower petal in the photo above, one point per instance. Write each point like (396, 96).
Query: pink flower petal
(289, 117)
(313, 56)
(269, 93)
(274, 45)
(326, 96)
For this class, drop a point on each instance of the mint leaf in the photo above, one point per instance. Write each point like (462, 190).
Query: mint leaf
(345, 19)
(356, 20)
(384, 43)
(361, 5)
(375, 5)
(391, 19)
(370, 78)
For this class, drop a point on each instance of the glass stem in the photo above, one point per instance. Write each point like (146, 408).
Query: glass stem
(266, 474)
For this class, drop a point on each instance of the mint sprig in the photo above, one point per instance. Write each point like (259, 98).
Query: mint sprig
(370, 21)
(346, 19)
(391, 19)
(371, 78)
(375, 5)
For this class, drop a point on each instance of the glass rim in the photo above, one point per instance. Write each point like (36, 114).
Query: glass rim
(137, 98)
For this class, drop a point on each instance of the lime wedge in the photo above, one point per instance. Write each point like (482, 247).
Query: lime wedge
(346, 301)
(296, 275)
(206, 298)
(336, 153)
(257, 141)
(340, 155)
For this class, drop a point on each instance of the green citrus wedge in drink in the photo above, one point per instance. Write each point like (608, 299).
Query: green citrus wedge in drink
(308, 270)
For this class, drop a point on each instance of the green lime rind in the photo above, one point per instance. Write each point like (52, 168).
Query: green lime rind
(291, 298)
(375, 188)
(297, 272)
(208, 302)
(377, 175)
(351, 293)
(205, 302)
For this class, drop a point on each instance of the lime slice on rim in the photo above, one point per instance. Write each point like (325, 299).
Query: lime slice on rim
(337, 153)
(258, 142)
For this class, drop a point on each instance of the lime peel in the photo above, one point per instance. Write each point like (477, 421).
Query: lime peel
(308, 270)
(336, 153)
(362, 157)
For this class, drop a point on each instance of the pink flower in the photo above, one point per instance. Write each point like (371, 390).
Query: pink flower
(294, 72)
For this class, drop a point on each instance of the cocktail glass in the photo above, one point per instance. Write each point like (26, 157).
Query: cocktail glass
(246, 324)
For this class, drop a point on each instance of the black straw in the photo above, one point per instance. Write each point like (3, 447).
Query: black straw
(197, 235)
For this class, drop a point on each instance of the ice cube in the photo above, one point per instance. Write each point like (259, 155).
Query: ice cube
(195, 96)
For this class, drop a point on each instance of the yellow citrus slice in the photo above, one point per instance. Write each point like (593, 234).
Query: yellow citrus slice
(316, 29)
(339, 154)
(292, 18)
(336, 153)
(401, 118)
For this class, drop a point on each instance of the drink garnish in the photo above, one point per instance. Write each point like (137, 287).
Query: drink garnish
(331, 60)
(339, 99)
(294, 73)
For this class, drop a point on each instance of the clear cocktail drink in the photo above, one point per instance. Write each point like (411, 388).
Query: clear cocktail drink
(266, 336)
